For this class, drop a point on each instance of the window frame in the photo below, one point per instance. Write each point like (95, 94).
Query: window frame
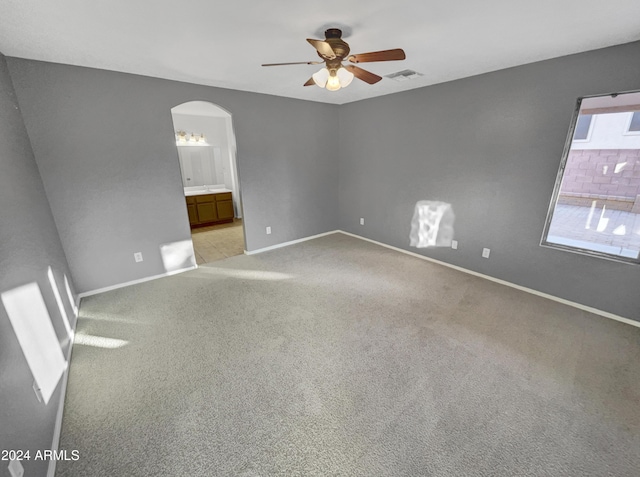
(556, 191)
(627, 130)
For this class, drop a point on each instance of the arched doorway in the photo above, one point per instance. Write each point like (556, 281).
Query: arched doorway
(206, 146)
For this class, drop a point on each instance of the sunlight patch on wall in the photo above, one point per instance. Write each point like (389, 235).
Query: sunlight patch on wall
(432, 224)
(61, 308)
(178, 255)
(32, 324)
(99, 341)
(70, 296)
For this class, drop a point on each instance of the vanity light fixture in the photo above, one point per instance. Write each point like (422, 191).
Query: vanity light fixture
(194, 139)
(181, 137)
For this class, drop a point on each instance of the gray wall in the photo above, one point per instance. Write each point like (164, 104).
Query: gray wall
(29, 245)
(490, 145)
(105, 146)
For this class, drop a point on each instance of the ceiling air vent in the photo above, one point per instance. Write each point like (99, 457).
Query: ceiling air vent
(404, 75)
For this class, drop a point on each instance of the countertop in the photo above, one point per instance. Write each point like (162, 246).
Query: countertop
(190, 191)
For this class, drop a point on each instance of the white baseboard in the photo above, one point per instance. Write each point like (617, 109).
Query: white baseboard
(155, 277)
(286, 244)
(51, 470)
(134, 282)
(580, 306)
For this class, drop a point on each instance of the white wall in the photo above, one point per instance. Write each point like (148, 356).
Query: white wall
(200, 165)
(215, 131)
(218, 132)
(609, 131)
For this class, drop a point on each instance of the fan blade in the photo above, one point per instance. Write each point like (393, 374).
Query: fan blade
(323, 48)
(364, 75)
(310, 82)
(385, 55)
(296, 63)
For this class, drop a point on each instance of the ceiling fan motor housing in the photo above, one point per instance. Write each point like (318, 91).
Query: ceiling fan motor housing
(333, 36)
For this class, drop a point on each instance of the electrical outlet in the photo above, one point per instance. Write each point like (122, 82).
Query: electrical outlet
(268, 230)
(486, 252)
(16, 469)
(454, 244)
(138, 256)
(361, 220)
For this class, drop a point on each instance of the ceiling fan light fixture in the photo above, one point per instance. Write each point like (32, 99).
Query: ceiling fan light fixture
(320, 78)
(333, 79)
(333, 83)
(345, 76)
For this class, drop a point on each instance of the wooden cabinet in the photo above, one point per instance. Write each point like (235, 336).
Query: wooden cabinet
(207, 212)
(207, 209)
(224, 208)
(193, 213)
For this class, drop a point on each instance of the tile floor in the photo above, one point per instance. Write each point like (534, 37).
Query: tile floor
(218, 241)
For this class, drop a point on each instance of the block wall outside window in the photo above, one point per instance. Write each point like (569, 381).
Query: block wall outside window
(611, 176)
(595, 208)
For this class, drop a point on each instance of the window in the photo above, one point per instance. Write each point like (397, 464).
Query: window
(583, 126)
(634, 124)
(595, 207)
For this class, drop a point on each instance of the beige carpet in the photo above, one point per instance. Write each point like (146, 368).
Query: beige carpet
(338, 357)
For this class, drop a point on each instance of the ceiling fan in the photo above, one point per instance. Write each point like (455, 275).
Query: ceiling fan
(334, 50)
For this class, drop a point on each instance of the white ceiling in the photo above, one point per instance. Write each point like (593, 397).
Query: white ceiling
(224, 43)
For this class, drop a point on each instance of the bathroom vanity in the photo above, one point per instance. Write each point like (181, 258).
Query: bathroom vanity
(209, 206)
